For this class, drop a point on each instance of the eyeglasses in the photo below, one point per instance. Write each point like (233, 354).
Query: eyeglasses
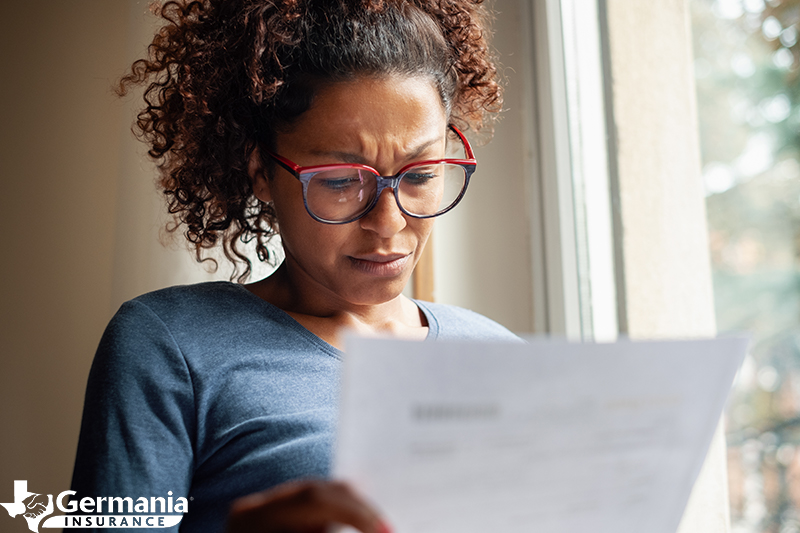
(342, 193)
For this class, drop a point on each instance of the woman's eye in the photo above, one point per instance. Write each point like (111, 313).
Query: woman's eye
(419, 178)
(339, 184)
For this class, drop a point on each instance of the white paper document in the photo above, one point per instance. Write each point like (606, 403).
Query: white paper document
(545, 437)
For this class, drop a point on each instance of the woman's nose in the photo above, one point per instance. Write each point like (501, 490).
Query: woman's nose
(385, 218)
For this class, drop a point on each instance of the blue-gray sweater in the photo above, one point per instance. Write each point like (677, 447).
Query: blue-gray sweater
(211, 393)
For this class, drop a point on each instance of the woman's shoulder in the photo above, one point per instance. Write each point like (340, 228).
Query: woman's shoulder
(183, 306)
(213, 316)
(167, 315)
(199, 297)
(453, 322)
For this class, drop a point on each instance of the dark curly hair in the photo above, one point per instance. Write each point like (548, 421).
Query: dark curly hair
(222, 76)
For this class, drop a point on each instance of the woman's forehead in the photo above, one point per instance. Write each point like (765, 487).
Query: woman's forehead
(360, 116)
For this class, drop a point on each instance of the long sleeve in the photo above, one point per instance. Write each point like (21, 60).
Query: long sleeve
(137, 433)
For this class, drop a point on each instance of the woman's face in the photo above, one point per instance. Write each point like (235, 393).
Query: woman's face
(385, 123)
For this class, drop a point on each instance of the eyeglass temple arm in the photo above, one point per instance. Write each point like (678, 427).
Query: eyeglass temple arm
(286, 164)
(467, 147)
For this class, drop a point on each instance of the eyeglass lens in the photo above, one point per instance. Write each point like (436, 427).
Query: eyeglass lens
(344, 193)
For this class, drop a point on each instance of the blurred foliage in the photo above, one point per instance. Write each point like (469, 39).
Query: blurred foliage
(785, 16)
(747, 70)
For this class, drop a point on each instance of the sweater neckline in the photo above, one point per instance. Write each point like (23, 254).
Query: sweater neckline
(433, 323)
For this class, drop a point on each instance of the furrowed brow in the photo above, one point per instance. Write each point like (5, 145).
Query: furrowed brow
(419, 150)
(348, 157)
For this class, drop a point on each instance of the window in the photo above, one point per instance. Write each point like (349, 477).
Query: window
(748, 85)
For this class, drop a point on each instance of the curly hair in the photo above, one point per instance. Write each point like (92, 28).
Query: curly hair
(223, 76)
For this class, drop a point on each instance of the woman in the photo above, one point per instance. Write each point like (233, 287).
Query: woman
(326, 122)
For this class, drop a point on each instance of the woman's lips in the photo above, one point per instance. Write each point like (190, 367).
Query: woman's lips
(386, 265)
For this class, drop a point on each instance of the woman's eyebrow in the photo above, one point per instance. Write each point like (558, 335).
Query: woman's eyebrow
(345, 157)
(419, 150)
(349, 157)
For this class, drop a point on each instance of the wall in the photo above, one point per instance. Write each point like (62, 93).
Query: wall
(60, 142)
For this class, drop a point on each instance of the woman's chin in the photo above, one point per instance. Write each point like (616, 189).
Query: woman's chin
(378, 293)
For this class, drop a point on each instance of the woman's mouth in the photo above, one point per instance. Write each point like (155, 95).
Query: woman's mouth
(382, 265)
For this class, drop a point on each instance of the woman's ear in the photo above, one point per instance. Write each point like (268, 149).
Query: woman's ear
(258, 177)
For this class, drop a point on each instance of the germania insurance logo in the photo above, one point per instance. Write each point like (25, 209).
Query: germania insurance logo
(155, 512)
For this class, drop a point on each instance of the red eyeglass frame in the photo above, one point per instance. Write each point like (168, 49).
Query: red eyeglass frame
(304, 175)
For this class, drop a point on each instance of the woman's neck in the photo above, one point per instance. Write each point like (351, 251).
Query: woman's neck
(328, 316)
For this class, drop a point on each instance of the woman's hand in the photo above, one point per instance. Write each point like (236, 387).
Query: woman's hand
(303, 507)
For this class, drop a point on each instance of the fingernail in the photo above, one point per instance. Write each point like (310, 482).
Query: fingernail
(383, 527)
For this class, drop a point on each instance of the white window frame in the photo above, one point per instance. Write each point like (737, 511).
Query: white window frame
(577, 278)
